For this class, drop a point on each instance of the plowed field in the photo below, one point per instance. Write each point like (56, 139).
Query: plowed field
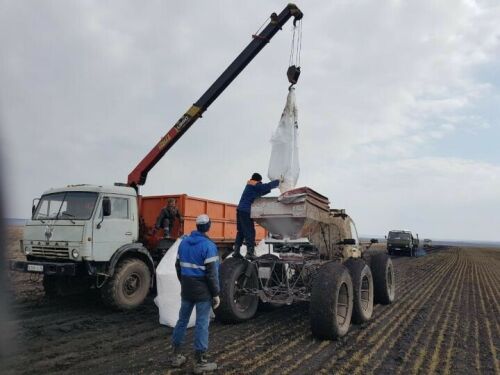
(446, 319)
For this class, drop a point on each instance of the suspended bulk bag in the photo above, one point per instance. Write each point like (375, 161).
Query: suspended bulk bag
(285, 151)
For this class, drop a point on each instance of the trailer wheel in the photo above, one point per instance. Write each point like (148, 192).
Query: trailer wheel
(50, 286)
(330, 309)
(129, 286)
(362, 283)
(383, 279)
(236, 305)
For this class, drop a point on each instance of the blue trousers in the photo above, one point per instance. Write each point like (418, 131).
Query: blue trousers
(201, 328)
(246, 230)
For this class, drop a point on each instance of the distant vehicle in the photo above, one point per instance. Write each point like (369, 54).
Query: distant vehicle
(427, 243)
(402, 241)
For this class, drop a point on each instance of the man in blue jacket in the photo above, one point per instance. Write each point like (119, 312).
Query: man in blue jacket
(197, 267)
(245, 225)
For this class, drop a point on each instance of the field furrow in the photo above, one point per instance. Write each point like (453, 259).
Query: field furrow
(400, 311)
(445, 320)
(454, 301)
(490, 338)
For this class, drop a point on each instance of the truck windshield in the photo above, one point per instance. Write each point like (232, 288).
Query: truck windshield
(66, 205)
(399, 236)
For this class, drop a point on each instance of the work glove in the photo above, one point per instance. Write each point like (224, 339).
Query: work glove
(215, 302)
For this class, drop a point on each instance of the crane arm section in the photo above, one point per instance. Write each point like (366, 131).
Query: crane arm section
(139, 174)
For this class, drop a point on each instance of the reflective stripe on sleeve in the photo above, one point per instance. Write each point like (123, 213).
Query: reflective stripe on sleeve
(191, 265)
(212, 259)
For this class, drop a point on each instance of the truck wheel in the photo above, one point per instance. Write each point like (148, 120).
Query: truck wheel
(362, 283)
(330, 309)
(383, 279)
(50, 286)
(129, 286)
(236, 305)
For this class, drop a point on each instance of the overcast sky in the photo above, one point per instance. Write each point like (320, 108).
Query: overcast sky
(399, 103)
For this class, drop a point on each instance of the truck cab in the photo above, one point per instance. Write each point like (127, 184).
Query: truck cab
(80, 236)
(402, 241)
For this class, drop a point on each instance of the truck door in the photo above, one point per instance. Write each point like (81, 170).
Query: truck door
(116, 230)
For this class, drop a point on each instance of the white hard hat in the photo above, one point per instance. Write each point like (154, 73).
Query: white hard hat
(202, 219)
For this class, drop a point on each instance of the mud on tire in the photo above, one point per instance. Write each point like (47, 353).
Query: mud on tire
(383, 278)
(362, 283)
(129, 285)
(330, 309)
(236, 306)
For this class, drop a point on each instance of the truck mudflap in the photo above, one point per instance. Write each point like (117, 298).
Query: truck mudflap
(46, 268)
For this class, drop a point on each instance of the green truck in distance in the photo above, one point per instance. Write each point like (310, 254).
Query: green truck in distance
(402, 241)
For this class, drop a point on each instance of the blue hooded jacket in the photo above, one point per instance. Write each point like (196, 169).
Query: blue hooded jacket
(253, 190)
(197, 267)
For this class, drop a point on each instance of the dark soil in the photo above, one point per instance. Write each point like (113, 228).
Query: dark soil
(446, 319)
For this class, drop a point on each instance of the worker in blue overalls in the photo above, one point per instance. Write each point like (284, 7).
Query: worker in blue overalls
(197, 268)
(244, 223)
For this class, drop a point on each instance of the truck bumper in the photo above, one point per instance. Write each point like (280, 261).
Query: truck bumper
(46, 268)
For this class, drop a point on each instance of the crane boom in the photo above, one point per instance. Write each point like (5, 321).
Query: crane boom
(139, 174)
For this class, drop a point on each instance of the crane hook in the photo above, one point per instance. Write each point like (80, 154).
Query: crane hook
(293, 74)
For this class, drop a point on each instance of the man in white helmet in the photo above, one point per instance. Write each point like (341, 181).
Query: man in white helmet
(197, 268)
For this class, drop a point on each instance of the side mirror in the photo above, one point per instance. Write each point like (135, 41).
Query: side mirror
(348, 241)
(373, 240)
(385, 237)
(106, 206)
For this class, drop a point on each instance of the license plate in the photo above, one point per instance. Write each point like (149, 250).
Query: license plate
(35, 268)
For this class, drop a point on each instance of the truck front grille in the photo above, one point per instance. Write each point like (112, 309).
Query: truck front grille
(51, 252)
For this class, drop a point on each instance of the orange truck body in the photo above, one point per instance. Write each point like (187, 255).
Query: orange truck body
(222, 215)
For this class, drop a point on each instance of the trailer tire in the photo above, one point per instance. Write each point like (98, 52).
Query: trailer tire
(129, 285)
(50, 286)
(233, 306)
(330, 308)
(383, 279)
(362, 283)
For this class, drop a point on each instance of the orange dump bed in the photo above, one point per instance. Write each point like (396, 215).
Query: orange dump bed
(222, 216)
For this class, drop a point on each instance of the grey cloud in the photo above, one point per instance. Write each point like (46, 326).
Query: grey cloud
(89, 87)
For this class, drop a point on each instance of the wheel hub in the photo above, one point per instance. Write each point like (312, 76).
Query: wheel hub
(132, 284)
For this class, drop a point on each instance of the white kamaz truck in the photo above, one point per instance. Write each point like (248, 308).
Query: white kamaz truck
(81, 237)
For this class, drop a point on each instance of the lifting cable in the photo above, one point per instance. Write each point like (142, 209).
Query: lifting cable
(293, 71)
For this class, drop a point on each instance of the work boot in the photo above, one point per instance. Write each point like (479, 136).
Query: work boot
(177, 358)
(236, 253)
(250, 253)
(202, 365)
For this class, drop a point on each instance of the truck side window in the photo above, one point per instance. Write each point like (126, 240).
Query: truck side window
(119, 208)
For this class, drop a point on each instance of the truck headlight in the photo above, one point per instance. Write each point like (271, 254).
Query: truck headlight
(27, 250)
(74, 253)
